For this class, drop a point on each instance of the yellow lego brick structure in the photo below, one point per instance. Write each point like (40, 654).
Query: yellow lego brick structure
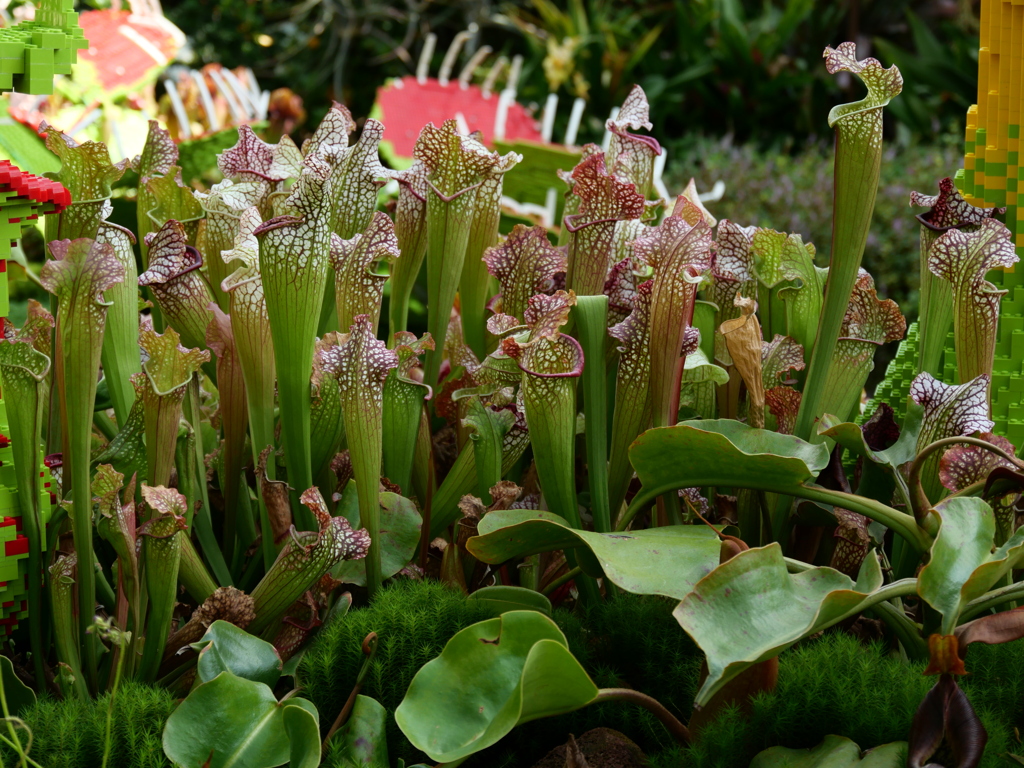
(991, 177)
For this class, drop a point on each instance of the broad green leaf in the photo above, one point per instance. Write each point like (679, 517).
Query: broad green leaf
(788, 607)
(858, 127)
(489, 678)
(724, 452)
(964, 258)
(226, 647)
(679, 252)
(231, 722)
(964, 565)
(362, 738)
(399, 537)
(19, 697)
(851, 437)
(502, 599)
(302, 724)
(656, 561)
(833, 752)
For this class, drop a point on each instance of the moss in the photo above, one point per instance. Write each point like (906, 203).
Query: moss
(413, 621)
(837, 685)
(833, 684)
(70, 733)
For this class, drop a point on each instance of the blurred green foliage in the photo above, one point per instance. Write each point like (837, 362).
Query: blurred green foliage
(751, 68)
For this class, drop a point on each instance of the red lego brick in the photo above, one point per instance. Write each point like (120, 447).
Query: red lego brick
(17, 547)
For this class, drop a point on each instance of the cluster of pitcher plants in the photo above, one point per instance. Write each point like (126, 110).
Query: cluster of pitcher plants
(646, 400)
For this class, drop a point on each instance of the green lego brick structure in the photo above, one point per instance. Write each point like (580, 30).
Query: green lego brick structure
(33, 52)
(23, 197)
(990, 178)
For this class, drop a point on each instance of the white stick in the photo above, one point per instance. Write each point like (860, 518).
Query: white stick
(656, 172)
(475, 61)
(548, 120)
(575, 118)
(550, 207)
(204, 96)
(178, 107)
(492, 77)
(501, 113)
(513, 73)
(444, 74)
(607, 140)
(423, 65)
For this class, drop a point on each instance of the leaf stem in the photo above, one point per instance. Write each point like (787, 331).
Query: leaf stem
(900, 522)
(565, 578)
(918, 498)
(992, 599)
(679, 731)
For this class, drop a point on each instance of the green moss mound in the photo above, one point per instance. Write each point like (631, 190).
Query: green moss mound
(833, 684)
(413, 621)
(70, 733)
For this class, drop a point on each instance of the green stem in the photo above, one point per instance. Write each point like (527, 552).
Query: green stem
(110, 704)
(900, 522)
(908, 633)
(203, 521)
(592, 320)
(565, 578)
(918, 498)
(993, 599)
(672, 725)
